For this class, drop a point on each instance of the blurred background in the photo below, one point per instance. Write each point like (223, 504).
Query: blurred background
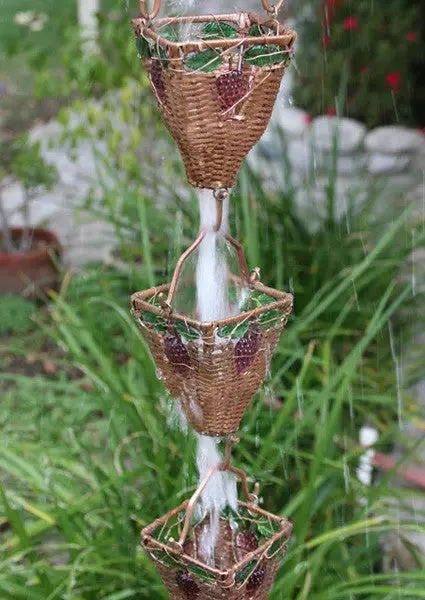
(94, 206)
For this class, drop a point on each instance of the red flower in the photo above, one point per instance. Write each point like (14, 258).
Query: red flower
(326, 41)
(412, 36)
(393, 80)
(364, 69)
(308, 119)
(331, 111)
(351, 23)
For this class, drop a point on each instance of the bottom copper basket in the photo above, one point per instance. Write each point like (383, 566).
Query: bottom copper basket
(250, 545)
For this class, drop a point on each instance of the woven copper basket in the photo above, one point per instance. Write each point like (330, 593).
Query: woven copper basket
(213, 368)
(217, 91)
(246, 557)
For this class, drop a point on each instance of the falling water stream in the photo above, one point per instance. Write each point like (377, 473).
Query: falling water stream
(212, 276)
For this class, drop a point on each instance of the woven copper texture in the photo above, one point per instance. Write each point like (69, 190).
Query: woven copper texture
(213, 394)
(225, 587)
(214, 147)
(214, 141)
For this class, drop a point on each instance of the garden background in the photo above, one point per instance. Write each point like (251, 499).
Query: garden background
(331, 208)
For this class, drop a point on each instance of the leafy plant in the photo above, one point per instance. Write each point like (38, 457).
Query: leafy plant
(16, 315)
(34, 173)
(377, 48)
(118, 465)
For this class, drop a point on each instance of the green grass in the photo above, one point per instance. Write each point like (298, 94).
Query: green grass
(84, 471)
(86, 462)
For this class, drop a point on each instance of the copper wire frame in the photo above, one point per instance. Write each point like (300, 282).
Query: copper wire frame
(237, 245)
(224, 466)
(226, 577)
(282, 36)
(270, 8)
(140, 303)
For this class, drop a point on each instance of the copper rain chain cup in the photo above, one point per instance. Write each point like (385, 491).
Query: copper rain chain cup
(247, 555)
(216, 91)
(212, 368)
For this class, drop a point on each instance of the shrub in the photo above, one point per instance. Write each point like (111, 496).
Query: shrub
(16, 315)
(375, 47)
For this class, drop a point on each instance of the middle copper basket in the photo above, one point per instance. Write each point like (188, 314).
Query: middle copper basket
(213, 368)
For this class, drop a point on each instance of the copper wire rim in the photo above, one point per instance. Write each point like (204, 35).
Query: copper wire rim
(214, 139)
(232, 582)
(213, 383)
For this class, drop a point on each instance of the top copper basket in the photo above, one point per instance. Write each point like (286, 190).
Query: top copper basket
(216, 79)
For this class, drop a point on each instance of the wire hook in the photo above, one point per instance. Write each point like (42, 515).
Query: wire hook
(155, 11)
(273, 9)
(220, 194)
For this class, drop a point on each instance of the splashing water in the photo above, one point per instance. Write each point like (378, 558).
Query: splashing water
(212, 276)
(212, 272)
(219, 493)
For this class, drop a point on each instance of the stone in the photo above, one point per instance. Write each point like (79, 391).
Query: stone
(379, 163)
(394, 140)
(350, 134)
(347, 164)
(300, 156)
(292, 121)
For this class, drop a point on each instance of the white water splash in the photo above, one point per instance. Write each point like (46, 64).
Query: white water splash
(220, 492)
(212, 273)
(212, 279)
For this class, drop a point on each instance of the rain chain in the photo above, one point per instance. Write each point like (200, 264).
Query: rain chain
(216, 92)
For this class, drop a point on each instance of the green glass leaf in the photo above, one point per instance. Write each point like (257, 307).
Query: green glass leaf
(234, 330)
(187, 332)
(245, 572)
(158, 323)
(277, 547)
(269, 318)
(263, 55)
(268, 529)
(200, 573)
(265, 299)
(256, 300)
(143, 47)
(219, 30)
(165, 559)
(168, 33)
(257, 31)
(205, 61)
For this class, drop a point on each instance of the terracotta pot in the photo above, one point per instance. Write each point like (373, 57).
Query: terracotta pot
(33, 272)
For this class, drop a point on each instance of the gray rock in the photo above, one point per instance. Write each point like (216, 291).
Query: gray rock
(350, 134)
(386, 163)
(347, 164)
(292, 121)
(394, 140)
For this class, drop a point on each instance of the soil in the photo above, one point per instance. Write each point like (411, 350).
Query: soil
(48, 361)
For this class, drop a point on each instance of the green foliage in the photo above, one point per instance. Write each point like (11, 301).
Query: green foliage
(87, 73)
(27, 165)
(16, 315)
(30, 168)
(115, 465)
(377, 47)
